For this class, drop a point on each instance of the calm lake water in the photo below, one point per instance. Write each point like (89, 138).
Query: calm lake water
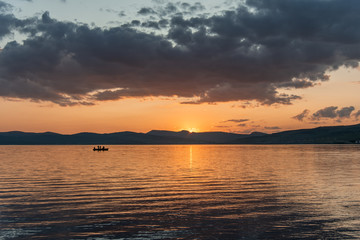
(181, 192)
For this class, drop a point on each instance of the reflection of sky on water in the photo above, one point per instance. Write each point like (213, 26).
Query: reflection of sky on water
(190, 158)
(223, 192)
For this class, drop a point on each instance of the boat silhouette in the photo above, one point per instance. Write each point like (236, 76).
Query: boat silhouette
(100, 148)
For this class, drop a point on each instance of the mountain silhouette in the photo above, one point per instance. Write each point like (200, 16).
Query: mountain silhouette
(320, 135)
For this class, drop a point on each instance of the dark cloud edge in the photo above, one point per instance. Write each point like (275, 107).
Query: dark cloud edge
(205, 59)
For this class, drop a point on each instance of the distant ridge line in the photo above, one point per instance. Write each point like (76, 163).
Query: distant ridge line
(344, 134)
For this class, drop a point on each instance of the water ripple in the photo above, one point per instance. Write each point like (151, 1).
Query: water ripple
(182, 192)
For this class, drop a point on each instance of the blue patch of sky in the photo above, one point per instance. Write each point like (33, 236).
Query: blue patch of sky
(105, 13)
(101, 13)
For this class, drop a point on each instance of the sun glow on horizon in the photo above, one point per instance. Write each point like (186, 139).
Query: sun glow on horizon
(191, 130)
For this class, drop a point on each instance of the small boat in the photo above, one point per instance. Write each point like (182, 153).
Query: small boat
(100, 149)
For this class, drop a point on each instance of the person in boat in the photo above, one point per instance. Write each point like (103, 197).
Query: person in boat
(103, 148)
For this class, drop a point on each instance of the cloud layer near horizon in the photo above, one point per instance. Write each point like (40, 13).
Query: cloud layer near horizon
(331, 112)
(249, 53)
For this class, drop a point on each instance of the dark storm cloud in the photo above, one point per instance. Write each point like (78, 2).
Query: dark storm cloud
(241, 54)
(302, 115)
(119, 94)
(298, 83)
(8, 22)
(68, 61)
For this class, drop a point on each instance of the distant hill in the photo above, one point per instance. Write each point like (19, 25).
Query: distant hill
(152, 137)
(22, 138)
(320, 135)
(206, 137)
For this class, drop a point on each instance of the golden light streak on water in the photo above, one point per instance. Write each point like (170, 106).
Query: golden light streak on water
(181, 192)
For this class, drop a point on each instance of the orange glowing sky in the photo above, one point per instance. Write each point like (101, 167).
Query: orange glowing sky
(142, 113)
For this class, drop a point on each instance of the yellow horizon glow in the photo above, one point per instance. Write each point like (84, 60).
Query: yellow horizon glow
(193, 130)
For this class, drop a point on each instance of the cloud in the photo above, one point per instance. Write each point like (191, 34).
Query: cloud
(357, 114)
(237, 120)
(272, 128)
(151, 24)
(222, 126)
(245, 54)
(146, 11)
(328, 112)
(4, 6)
(167, 8)
(302, 115)
(345, 112)
(332, 113)
(297, 83)
(192, 8)
(119, 94)
(9, 22)
(135, 23)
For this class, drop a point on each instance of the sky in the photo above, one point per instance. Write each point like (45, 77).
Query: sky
(71, 66)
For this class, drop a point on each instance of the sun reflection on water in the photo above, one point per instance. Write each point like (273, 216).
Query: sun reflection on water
(191, 158)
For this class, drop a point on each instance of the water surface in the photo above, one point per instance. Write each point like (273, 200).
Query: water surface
(181, 191)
